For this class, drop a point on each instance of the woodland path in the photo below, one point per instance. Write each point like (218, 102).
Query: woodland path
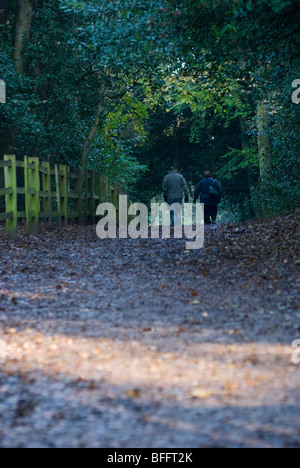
(140, 344)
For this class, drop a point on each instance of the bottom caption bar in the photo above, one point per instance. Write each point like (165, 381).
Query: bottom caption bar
(146, 457)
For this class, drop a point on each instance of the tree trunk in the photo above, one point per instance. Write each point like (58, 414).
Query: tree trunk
(87, 143)
(23, 21)
(244, 135)
(22, 26)
(263, 139)
(245, 140)
(244, 144)
(263, 149)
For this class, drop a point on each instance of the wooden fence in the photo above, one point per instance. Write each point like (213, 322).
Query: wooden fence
(34, 191)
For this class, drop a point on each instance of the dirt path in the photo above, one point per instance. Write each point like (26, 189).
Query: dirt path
(141, 344)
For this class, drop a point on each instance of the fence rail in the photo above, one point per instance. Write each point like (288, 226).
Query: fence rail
(34, 191)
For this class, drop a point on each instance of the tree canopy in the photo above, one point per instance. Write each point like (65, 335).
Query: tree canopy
(130, 88)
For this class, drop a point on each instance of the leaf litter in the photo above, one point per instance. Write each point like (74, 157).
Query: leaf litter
(122, 343)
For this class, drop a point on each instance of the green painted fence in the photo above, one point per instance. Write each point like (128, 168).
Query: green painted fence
(34, 191)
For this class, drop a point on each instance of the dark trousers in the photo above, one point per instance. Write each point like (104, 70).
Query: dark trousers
(210, 214)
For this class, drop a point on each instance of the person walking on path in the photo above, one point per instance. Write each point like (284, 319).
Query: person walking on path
(210, 193)
(174, 187)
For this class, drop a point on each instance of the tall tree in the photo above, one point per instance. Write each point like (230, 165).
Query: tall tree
(22, 27)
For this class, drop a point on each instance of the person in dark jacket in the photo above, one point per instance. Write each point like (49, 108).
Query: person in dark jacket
(173, 188)
(210, 193)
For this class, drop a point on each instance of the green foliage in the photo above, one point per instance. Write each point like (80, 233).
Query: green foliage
(251, 49)
(237, 161)
(79, 54)
(178, 81)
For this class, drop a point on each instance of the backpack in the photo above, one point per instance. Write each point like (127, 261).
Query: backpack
(213, 192)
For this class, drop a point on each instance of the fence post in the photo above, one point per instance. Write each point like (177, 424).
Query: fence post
(63, 190)
(78, 202)
(11, 204)
(56, 169)
(32, 193)
(118, 202)
(91, 196)
(98, 187)
(86, 193)
(102, 189)
(46, 179)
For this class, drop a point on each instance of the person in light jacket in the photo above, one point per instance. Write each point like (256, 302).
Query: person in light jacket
(174, 187)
